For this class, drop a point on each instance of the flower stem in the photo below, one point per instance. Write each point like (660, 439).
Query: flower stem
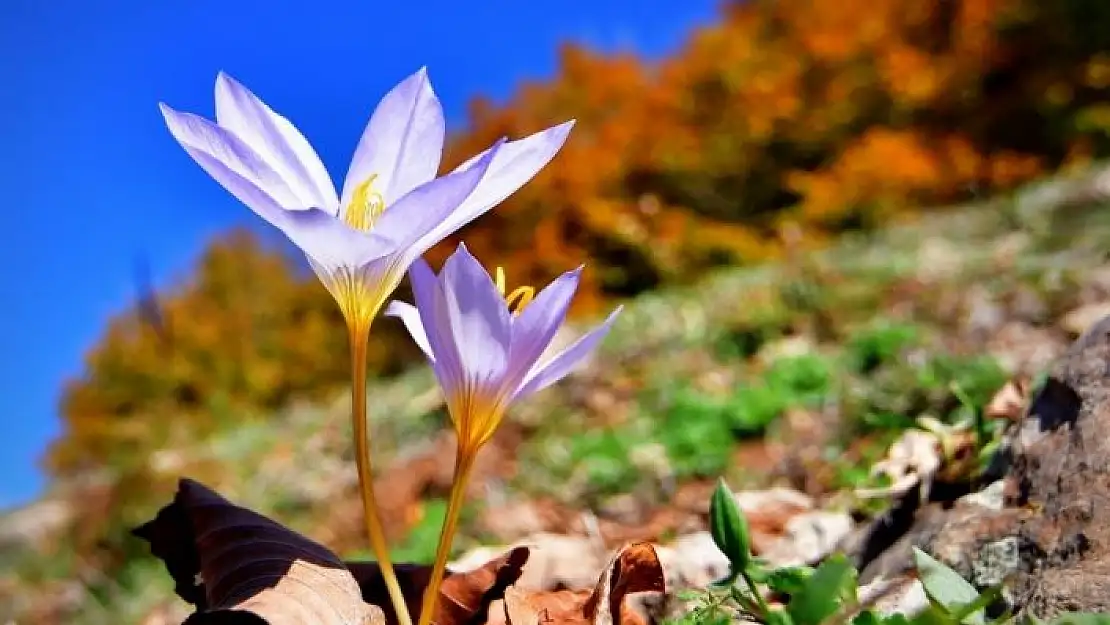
(359, 337)
(463, 462)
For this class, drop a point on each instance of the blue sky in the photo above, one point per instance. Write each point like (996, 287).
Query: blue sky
(94, 180)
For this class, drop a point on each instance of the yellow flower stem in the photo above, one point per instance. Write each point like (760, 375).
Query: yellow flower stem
(359, 336)
(464, 460)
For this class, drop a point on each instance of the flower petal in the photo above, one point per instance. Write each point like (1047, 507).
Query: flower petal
(559, 366)
(479, 321)
(328, 242)
(402, 143)
(276, 139)
(209, 144)
(537, 324)
(430, 303)
(410, 219)
(410, 316)
(332, 244)
(515, 164)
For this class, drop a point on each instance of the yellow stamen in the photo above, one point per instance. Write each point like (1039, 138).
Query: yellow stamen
(366, 206)
(519, 298)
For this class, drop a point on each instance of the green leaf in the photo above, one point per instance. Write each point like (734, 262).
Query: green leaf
(896, 619)
(824, 591)
(789, 580)
(945, 588)
(779, 617)
(867, 617)
(729, 528)
(933, 615)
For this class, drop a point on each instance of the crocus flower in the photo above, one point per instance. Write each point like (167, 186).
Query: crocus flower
(360, 241)
(485, 355)
(392, 207)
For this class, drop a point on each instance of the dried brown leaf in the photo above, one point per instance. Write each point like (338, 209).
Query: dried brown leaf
(237, 566)
(1010, 401)
(636, 568)
(465, 597)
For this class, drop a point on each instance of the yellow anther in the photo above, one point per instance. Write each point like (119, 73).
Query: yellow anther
(519, 298)
(366, 206)
(522, 296)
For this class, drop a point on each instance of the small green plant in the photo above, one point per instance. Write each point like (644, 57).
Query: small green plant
(604, 456)
(879, 343)
(696, 434)
(829, 593)
(803, 379)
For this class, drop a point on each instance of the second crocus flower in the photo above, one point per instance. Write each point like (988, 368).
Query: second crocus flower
(485, 357)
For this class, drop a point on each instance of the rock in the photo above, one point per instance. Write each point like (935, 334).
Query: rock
(984, 315)
(1059, 468)
(1046, 542)
(902, 595)
(938, 259)
(957, 536)
(1024, 349)
(1077, 321)
(809, 537)
(772, 499)
(558, 561)
(513, 520)
(991, 497)
(625, 508)
(692, 561)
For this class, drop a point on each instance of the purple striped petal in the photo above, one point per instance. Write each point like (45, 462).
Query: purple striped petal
(276, 139)
(402, 143)
(410, 316)
(325, 240)
(478, 320)
(241, 170)
(515, 164)
(332, 244)
(414, 215)
(561, 365)
(537, 324)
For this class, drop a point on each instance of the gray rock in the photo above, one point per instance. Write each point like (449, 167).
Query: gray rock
(1044, 537)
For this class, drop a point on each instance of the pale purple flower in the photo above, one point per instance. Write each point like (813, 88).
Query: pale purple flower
(485, 356)
(391, 209)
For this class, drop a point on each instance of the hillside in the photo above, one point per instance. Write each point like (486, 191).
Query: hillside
(798, 373)
(827, 221)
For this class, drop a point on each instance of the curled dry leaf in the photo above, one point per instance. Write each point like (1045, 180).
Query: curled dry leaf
(911, 461)
(464, 598)
(237, 566)
(1010, 401)
(232, 563)
(636, 568)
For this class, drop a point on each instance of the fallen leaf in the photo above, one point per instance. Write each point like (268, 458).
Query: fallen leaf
(564, 607)
(636, 568)
(464, 598)
(237, 566)
(1010, 401)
